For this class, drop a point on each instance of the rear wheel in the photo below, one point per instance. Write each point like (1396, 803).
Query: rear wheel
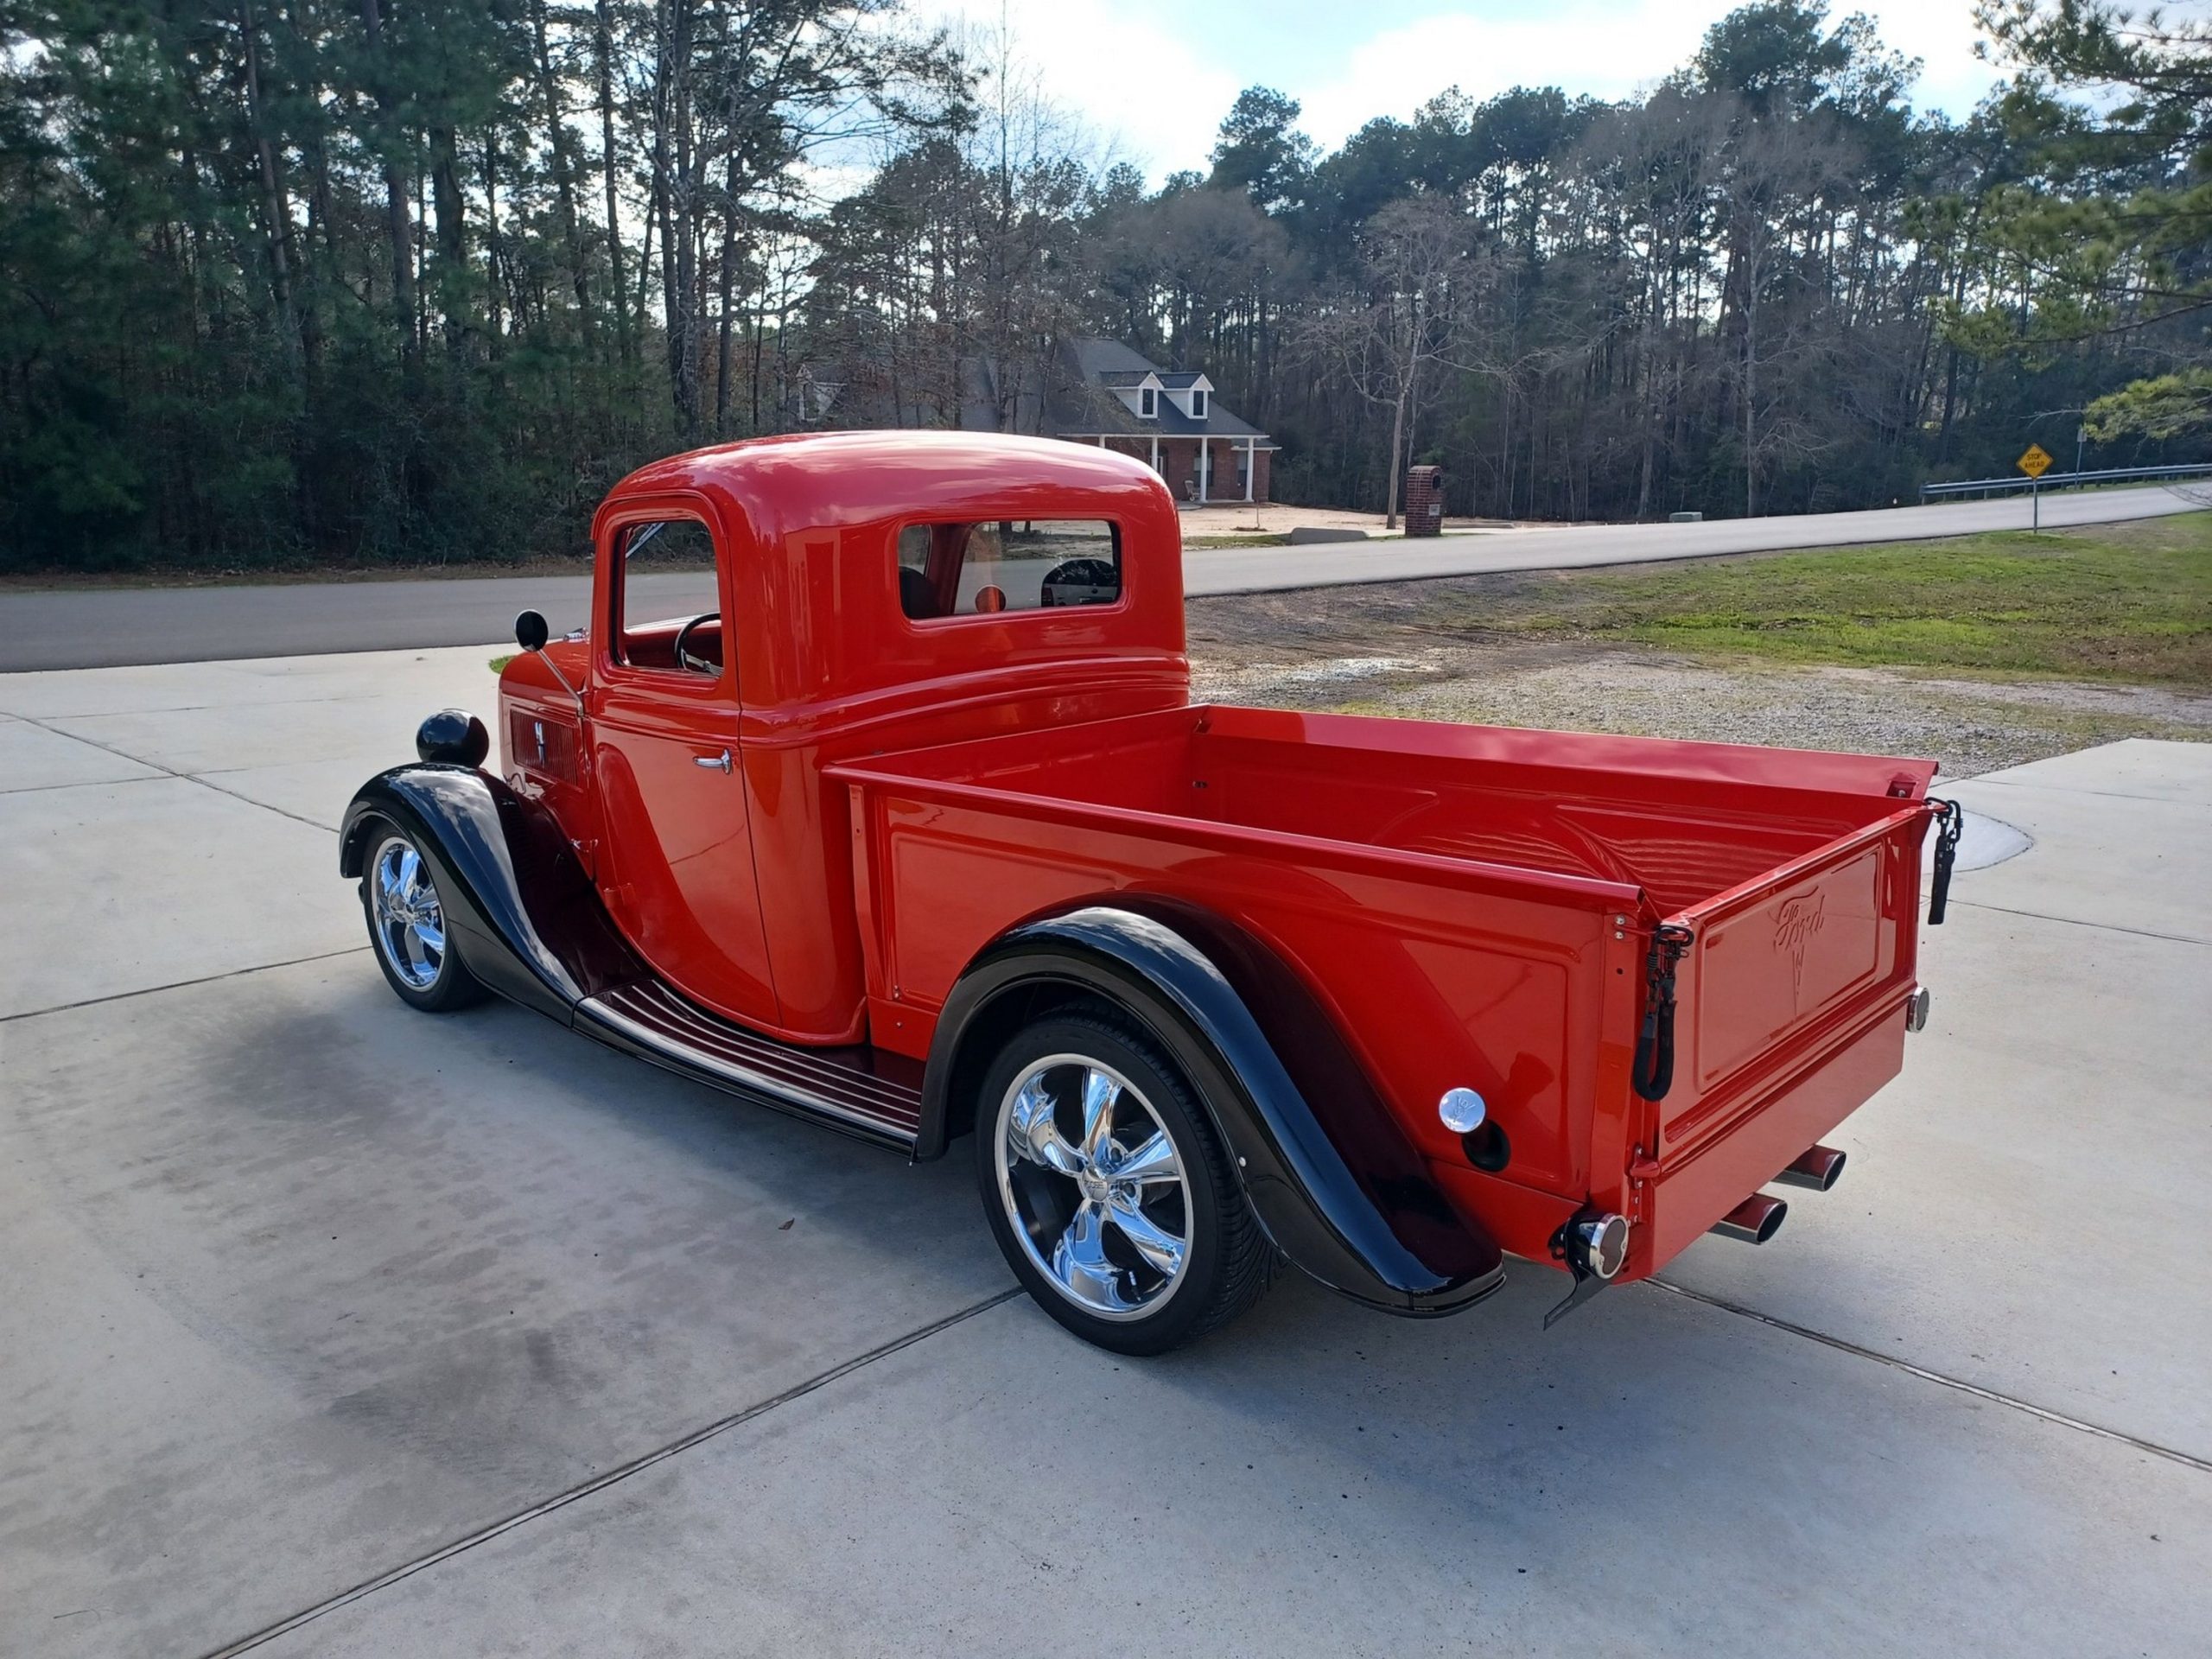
(407, 926)
(1108, 1191)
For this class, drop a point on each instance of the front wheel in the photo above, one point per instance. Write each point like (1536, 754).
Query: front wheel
(1108, 1191)
(407, 924)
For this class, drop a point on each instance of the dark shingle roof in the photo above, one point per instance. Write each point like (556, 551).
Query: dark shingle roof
(1085, 406)
(1092, 357)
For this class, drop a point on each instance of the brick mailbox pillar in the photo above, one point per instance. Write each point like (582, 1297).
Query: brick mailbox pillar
(1424, 500)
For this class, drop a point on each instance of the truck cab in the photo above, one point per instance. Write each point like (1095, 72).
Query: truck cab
(857, 594)
(871, 789)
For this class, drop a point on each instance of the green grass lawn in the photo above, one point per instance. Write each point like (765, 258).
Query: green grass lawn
(2110, 601)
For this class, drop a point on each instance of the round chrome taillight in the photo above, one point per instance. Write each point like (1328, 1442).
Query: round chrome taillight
(1462, 1110)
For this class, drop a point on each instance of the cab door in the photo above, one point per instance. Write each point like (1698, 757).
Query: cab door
(677, 870)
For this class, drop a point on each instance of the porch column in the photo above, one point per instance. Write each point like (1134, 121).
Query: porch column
(1155, 452)
(1205, 470)
(1249, 445)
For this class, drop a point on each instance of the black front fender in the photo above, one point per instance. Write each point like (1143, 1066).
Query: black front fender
(518, 905)
(1342, 1191)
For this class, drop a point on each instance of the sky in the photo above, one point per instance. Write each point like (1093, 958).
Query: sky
(1151, 79)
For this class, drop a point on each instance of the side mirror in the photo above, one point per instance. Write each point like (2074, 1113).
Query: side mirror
(531, 633)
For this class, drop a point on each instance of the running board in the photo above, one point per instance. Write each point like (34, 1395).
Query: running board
(860, 1090)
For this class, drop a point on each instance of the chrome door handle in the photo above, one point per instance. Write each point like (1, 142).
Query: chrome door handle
(712, 761)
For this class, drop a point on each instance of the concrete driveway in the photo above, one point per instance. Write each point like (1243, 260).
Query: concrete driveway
(329, 1328)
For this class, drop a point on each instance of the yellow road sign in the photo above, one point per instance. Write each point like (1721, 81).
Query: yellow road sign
(2035, 462)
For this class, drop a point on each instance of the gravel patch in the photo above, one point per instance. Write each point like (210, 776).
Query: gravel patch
(1391, 649)
(1968, 726)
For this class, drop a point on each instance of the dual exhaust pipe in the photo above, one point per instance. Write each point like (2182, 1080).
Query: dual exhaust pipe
(1754, 1221)
(1758, 1218)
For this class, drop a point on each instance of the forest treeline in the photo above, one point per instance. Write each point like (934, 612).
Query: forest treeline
(403, 281)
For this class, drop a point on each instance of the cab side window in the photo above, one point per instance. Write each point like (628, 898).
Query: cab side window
(668, 598)
(962, 570)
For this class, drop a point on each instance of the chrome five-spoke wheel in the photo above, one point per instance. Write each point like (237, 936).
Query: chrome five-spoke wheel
(1104, 1182)
(1094, 1186)
(408, 924)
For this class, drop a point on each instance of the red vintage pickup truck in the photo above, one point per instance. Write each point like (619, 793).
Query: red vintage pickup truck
(907, 824)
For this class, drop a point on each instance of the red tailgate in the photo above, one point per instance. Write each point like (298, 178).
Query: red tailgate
(1791, 1012)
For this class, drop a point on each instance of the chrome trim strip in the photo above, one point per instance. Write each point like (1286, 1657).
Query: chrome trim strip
(734, 1058)
(656, 1006)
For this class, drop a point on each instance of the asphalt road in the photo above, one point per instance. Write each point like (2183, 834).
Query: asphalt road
(330, 1329)
(116, 627)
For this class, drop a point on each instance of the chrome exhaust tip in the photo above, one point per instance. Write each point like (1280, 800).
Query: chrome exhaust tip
(1817, 1167)
(1756, 1220)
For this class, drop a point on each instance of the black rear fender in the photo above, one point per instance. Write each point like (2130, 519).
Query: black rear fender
(1338, 1185)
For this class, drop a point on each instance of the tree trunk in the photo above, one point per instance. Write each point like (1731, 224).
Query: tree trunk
(493, 280)
(398, 231)
(557, 132)
(644, 267)
(603, 52)
(759, 339)
(452, 252)
(1750, 377)
(422, 257)
(277, 209)
(1398, 443)
(722, 321)
(679, 208)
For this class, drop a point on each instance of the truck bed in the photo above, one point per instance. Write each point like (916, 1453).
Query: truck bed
(1472, 906)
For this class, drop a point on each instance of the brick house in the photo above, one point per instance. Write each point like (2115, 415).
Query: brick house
(1100, 391)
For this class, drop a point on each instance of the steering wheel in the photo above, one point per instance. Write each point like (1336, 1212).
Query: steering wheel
(683, 657)
(1081, 582)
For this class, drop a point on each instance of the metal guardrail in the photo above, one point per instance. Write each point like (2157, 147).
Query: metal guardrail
(2063, 480)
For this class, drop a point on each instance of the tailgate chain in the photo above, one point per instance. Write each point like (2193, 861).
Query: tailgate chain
(1950, 824)
(1655, 1045)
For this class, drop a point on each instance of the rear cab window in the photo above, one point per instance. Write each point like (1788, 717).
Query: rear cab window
(952, 570)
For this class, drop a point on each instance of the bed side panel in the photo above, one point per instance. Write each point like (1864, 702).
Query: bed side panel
(1435, 984)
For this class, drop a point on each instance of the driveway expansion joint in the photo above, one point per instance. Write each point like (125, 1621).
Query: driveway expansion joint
(2077, 789)
(2187, 1459)
(91, 783)
(171, 771)
(621, 1472)
(180, 984)
(2077, 921)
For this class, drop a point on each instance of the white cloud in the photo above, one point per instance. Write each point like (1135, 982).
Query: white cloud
(1942, 35)
(1144, 91)
(1156, 94)
(1606, 49)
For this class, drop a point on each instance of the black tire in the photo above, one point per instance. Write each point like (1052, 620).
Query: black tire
(1227, 1260)
(432, 981)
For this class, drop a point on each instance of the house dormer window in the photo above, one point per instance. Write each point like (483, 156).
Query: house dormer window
(1198, 405)
(1148, 403)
